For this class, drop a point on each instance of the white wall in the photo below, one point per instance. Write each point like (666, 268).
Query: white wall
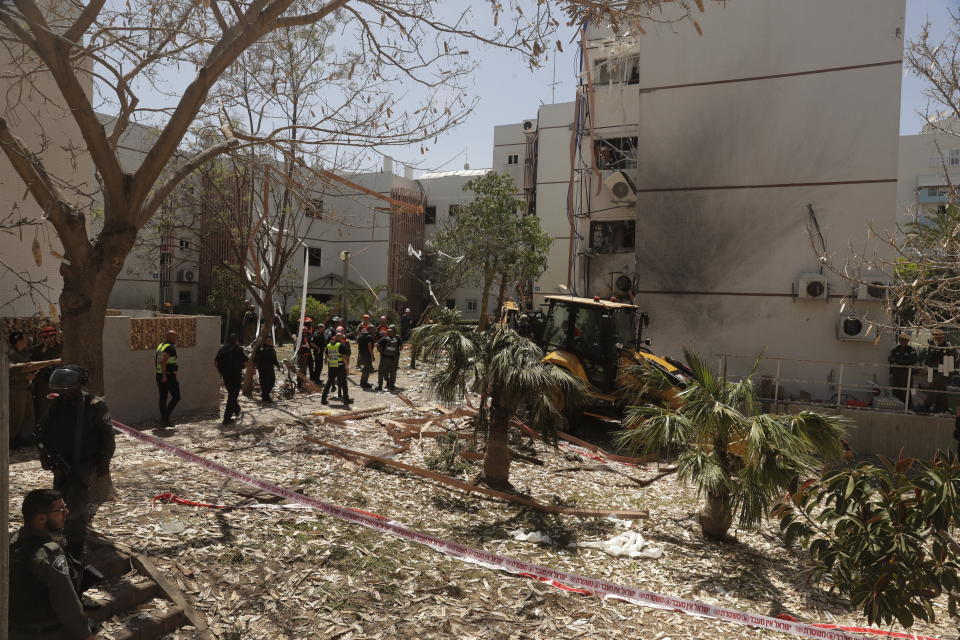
(727, 169)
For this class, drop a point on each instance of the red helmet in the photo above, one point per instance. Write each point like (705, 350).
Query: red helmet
(307, 321)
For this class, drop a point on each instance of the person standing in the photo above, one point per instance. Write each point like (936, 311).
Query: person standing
(406, 324)
(389, 347)
(383, 327)
(22, 420)
(362, 328)
(230, 361)
(76, 442)
(318, 342)
(265, 359)
(44, 604)
(48, 349)
(902, 357)
(337, 353)
(941, 362)
(365, 343)
(305, 351)
(167, 384)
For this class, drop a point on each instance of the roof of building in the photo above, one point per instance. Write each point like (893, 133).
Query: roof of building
(462, 172)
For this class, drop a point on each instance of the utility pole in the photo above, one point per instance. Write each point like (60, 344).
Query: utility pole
(345, 259)
(4, 494)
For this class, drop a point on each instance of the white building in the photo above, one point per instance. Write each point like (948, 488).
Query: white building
(926, 161)
(702, 164)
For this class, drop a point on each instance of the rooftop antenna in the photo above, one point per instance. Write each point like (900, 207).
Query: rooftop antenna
(553, 85)
(466, 158)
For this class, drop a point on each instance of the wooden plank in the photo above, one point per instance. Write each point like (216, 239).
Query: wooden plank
(493, 493)
(172, 593)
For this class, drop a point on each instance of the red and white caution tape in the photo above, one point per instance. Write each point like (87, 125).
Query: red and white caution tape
(496, 561)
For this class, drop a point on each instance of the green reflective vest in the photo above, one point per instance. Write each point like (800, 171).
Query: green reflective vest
(334, 359)
(171, 360)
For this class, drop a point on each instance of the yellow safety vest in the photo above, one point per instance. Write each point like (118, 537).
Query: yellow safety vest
(334, 359)
(171, 360)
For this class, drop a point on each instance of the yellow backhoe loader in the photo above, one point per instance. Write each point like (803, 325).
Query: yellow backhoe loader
(600, 341)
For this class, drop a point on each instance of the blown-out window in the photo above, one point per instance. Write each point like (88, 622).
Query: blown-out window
(612, 236)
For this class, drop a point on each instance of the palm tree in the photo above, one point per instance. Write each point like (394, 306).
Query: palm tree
(507, 371)
(741, 460)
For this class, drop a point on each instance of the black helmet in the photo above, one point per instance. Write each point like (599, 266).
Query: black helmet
(67, 379)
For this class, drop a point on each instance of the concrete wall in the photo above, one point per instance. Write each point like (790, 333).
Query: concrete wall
(129, 376)
(730, 158)
(887, 433)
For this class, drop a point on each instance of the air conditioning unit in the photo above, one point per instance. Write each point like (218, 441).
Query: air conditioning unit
(529, 126)
(620, 187)
(812, 286)
(855, 326)
(874, 287)
(186, 275)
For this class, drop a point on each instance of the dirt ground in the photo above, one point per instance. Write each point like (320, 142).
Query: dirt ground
(291, 573)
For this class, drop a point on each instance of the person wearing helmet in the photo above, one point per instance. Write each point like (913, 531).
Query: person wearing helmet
(76, 442)
(382, 327)
(362, 329)
(365, 340)
(389, 347)
(318, 342)
(337, 353)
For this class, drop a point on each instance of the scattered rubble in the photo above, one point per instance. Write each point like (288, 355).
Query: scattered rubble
(291, 573)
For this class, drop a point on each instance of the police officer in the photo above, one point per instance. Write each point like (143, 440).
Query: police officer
(305, 351)
(76, 441)
(941, 360)
(365, 340)
(230, 361)
(389, 347)
(318, 342)
(44, 604)
(167, 384)
(265, 359)
(337, 353)
(902, 357)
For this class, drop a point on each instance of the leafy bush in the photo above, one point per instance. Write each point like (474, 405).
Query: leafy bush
(316, 310)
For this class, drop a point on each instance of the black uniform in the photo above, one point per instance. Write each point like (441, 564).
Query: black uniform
(904, 357)
(389, 347)
(230, 361)
(319, 342)
(43, 597)
(406, 326)
(170, 387)
(936, 354)
(365, 357)
(265, 359)
(76, 441)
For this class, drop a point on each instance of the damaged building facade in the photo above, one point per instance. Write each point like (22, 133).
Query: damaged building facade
(701, 180)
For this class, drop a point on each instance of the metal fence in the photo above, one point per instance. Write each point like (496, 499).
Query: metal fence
(848, 385)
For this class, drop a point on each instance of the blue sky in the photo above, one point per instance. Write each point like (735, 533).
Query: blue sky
(509, 92)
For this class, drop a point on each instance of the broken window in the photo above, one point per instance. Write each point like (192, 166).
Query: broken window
(513, 158)
(617, 70)
(430, 215)
(613, 236)
(313, 256)
(616, 153)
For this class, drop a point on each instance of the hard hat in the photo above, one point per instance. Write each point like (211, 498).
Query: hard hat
(307, 321)
(340, 329)
(67, 379)
(383, 317)
(407, 310)
(392, 327)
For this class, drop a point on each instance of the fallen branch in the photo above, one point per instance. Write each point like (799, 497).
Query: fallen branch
(527, 502)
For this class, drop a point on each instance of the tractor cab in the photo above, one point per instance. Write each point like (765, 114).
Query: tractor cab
(594, 332)
(600, 341)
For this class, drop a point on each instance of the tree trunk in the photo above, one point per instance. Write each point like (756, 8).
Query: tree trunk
(501, 294)
(716, 516)
(496, 461)
(487, 284)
